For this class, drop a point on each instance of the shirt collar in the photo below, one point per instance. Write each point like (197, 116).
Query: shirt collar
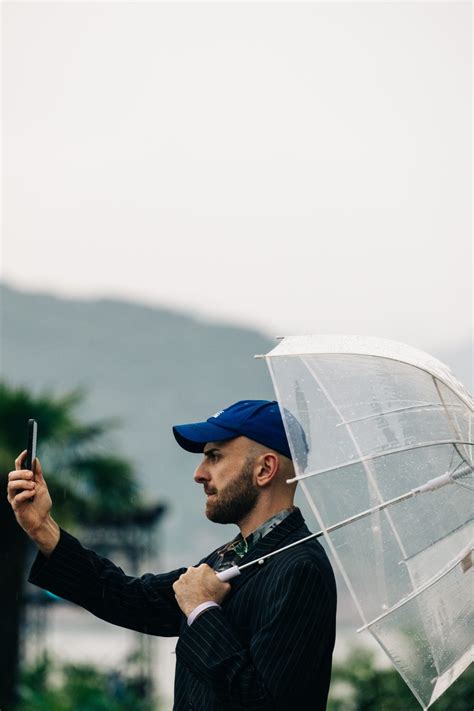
(241, 545)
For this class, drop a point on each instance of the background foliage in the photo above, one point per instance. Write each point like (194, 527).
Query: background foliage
(47, 686)
(358, 685)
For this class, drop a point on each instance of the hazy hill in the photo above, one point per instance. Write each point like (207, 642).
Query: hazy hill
(153, 368)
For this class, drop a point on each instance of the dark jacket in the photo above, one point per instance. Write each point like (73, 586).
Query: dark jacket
(268, 648)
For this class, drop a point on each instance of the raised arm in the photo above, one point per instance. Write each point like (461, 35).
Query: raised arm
(67, 569)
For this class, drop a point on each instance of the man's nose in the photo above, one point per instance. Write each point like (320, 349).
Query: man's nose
(201, 475)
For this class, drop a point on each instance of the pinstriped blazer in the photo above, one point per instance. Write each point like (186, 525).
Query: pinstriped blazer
(269, 648)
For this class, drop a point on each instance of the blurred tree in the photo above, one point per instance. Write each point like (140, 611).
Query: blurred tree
(358, 685)
(84, 484)
(80, 687)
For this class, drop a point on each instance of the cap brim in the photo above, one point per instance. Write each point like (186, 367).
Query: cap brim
(194, 436)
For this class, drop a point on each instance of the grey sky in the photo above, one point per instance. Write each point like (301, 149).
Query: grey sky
(299, 167)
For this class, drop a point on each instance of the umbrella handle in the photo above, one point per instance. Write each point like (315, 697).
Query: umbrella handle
(229, 573)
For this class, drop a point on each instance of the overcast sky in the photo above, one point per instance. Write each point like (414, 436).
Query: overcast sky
(298, 167)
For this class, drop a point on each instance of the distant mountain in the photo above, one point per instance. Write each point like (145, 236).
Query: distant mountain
(153, 368)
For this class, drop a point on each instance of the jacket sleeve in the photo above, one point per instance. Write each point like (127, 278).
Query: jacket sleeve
(282, 660)
(146, 604)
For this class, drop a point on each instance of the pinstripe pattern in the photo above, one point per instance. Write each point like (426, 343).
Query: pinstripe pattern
(269, 647)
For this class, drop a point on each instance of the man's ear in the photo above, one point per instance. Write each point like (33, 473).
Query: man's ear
(267, 467)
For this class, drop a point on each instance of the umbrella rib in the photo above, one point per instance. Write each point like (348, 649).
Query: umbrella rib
(428, 584)
(436, 541)
(378, 455)
(317, 516)
(451, 416)
(371, 477)
(434, 406)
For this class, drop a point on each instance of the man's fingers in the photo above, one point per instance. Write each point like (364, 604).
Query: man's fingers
(21, 484)
(27, 473)
(19, 459)
(20, 474)
(23, 496)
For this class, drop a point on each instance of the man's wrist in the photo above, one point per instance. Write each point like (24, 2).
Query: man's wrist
(200, 609)
(46, 536)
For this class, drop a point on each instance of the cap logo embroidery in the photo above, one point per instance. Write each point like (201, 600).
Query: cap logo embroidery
(219, 412)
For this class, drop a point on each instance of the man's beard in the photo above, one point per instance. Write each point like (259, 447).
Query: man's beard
(235, 500)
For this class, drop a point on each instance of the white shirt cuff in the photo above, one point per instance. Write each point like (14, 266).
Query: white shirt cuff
(200, 608)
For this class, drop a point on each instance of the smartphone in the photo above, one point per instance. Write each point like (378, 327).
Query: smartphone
(31, 445)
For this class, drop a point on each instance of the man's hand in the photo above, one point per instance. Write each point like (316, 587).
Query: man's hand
(29, 498)
(199, 585)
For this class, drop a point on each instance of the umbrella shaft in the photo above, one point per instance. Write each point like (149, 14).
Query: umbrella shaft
(431, 485)
(330, 529)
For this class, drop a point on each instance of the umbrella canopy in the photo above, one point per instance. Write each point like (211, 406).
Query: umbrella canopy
(388, 431)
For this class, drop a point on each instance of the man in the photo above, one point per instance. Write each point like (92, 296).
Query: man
(263, 641)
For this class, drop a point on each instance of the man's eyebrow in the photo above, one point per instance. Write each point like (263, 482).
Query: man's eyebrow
(211, 450)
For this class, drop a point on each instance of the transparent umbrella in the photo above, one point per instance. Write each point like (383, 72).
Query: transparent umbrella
(384, 456)
(386, 464)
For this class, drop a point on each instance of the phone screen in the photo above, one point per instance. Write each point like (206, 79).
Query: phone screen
(31, 446)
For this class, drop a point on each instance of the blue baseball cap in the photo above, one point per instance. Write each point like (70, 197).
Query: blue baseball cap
(259, 420)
